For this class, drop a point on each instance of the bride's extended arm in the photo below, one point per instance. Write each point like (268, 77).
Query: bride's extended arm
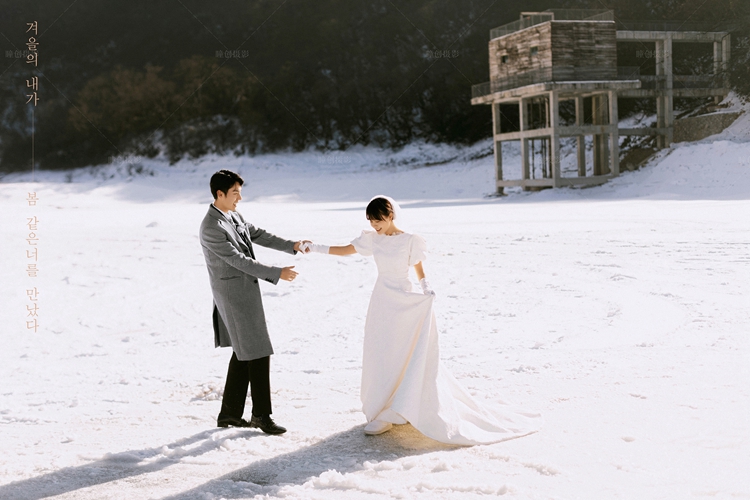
(347, 250)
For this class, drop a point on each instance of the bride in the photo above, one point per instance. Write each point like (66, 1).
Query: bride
(403, 379)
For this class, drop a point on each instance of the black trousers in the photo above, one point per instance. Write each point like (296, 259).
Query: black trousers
(241, 374)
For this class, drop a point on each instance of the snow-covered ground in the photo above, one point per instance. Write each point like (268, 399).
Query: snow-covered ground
(620, 312)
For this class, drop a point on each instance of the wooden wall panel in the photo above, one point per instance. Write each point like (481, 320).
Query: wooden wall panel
(576, 50)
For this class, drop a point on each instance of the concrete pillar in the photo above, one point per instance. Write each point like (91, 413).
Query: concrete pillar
(580, 140)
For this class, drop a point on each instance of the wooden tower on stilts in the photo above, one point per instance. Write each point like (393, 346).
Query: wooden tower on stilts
(569, 58)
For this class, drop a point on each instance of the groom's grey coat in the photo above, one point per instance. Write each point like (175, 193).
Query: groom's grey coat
(238, 317)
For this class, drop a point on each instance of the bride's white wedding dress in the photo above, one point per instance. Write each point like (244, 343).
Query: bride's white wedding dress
(403, 379)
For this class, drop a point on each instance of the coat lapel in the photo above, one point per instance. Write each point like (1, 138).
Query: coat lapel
(239, 241)
(244, 238)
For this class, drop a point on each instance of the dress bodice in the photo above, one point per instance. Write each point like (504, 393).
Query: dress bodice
(393, 254)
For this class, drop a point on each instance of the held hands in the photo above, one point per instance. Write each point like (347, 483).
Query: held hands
(302, 246)
(426, 288)
(309, 246)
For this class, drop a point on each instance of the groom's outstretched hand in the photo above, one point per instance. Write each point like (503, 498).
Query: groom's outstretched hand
(288, 273)
(302, 246)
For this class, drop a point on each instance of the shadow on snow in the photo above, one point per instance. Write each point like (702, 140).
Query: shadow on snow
(344, 452)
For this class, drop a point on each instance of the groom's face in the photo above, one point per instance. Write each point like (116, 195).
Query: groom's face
(228, 201)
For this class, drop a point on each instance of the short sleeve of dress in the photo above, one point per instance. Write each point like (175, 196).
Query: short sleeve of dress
(417, 250)
(363, 244)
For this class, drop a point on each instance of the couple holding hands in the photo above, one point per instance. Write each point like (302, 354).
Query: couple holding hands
(403, 379)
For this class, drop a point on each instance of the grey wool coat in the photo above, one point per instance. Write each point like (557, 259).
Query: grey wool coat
(238, 318)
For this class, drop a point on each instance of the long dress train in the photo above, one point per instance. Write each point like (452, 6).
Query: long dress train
(403, 379)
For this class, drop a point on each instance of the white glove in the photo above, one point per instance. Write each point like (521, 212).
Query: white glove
(426, 288)
(313, 247)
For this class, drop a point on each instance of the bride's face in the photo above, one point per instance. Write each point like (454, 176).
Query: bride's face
(382, 226)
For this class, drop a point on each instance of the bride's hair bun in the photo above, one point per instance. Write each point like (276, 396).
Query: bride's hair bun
(379, 209)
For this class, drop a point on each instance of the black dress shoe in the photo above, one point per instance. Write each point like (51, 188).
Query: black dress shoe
(233, 421)
(266, 424)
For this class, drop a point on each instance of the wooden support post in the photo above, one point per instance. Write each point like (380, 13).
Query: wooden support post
(660, 120)
(669, 104)
(661, 110)
(726, 52)
(601, 149)
(554, 147)
(717, 57)
(523, 121)
(498, 148)
(496, 126)
(499, 165)
(614, 135)
(718, 65)
(581, 139)
(665, 96)
(595, 120)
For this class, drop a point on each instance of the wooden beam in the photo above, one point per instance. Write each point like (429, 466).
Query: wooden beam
(704, 92)
(680, 36)
(642, 131)
(574, 130)
(568, 131)
(584, 181)
(570, 88)
(526, 183)
(527, 134)
(562, 182)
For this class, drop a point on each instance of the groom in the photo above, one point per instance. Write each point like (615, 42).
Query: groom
(238, 318)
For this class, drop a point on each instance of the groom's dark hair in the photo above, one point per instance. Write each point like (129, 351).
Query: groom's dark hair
(223, 180)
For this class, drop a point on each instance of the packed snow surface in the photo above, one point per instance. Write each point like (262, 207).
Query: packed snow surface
(619, 312)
